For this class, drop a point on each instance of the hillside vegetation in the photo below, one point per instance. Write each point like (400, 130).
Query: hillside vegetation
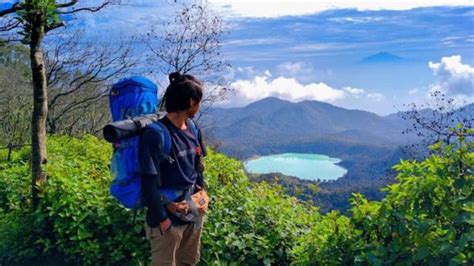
(426, 217)
(368, 144)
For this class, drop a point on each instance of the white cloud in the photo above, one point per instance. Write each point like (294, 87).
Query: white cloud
(433, 92)
(246, 69)
(454, 41)
(452, 38)
(262, 86)
(295, 69)
(414, 91)
(254, 41)
(118, 20)
(247, 91)
(454, 77)
(290, 67)
(355, 92)
(316, 47)
(357, 20)
(376, 97)
(277, 8)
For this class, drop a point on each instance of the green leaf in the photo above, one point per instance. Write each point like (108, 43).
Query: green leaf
(460, 258)
(421, 253)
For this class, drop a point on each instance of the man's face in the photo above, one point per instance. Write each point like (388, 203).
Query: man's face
(194, 108)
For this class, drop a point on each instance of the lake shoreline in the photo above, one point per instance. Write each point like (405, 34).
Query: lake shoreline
(300, 165)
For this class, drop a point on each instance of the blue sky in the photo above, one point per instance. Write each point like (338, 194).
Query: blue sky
(329, 47)
(315, 50)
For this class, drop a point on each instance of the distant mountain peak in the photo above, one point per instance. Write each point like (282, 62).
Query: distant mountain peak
(382, 57)
(273, 99)
(270, 100)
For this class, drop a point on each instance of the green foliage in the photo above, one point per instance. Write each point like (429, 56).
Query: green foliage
(77, 218)
(16, 233)
(76, 205)
(331, 241)
(16, 221)
(426, 217)
(249, 223)
(37, 13)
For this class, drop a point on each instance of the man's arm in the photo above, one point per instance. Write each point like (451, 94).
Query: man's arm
(201, 143)
(149, 150)
(201, 167)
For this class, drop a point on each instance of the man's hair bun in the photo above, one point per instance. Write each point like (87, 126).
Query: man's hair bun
(175, 77)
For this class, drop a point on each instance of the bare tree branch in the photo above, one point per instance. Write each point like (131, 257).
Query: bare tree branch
(77, 73)
(433, 122)
(15, 95)
(9, 24)
(191, 43)
(54, 26)
(15, 7)
(73, 2)
(90, 9)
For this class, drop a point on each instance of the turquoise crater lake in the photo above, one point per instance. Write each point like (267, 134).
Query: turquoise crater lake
(302, 165)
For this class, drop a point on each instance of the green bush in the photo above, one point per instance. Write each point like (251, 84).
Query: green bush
(427, 217)
(249, 223)
(77, 218)
(17, 234)
(16, 220)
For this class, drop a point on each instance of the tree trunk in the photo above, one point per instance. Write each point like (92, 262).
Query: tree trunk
(40, 107)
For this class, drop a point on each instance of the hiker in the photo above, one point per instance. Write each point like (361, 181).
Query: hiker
(174, 240)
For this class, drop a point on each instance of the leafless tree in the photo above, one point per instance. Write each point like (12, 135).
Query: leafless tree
(8, 29)
(15, 95)
(79, 75)
(37, 19)
(191, 43)
(434, 121)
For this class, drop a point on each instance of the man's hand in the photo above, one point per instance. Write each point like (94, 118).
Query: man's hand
(202, 202)
(165, 225)
(202, 166)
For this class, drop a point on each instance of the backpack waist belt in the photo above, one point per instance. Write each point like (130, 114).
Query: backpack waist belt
(186, 210)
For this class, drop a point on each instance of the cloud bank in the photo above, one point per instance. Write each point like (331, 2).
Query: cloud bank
(288, 88)
(274, 8)
(455, 78)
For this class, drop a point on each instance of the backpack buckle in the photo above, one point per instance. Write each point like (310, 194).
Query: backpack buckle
(168, 158)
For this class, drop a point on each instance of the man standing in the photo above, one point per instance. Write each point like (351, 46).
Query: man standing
(173, 241)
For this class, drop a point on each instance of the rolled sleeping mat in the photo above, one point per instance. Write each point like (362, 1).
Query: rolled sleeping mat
(124, 129)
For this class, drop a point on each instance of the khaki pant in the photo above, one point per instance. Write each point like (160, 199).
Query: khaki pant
(178, 246)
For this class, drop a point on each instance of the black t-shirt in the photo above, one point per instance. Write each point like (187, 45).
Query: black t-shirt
(179, 173)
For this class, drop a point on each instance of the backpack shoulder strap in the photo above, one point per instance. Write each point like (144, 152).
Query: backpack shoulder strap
(194, 128)
(161, 129)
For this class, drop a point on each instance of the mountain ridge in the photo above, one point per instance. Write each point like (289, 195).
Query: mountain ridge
(368, 144)
(305, 120)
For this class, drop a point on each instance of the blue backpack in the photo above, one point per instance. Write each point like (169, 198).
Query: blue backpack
(129, 98)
